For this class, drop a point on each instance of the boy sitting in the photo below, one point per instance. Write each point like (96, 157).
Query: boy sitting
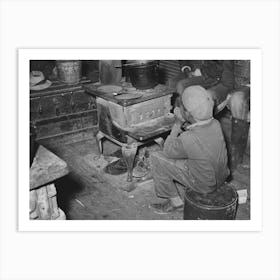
(195, 156)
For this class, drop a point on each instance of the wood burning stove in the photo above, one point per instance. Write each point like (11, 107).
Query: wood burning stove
(131, 117)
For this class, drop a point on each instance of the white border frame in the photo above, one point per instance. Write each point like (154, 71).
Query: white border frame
(254, 224)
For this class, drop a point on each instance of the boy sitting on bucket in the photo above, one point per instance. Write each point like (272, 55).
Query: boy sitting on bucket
(195, 156)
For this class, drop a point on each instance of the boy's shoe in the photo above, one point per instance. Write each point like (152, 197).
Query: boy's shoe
(166, 207)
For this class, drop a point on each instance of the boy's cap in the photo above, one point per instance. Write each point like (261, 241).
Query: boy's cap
(198, 101)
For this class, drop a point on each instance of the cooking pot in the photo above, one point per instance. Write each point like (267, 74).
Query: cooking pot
(143, 74)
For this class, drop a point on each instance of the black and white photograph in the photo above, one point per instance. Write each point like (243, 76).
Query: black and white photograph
(139, 139)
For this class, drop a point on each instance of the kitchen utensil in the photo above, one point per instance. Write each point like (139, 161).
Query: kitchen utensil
(110, 89)
(128, 96)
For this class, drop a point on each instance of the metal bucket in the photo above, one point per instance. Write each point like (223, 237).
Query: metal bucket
(69, 71)
(219, 205)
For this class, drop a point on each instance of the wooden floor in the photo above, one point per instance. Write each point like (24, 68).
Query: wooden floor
(86, 194)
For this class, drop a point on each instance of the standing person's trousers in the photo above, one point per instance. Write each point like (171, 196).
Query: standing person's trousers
(239, 103)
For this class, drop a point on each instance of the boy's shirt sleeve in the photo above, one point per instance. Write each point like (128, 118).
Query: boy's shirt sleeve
(175, 147)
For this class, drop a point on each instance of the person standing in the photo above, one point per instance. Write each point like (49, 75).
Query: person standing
(239, 105)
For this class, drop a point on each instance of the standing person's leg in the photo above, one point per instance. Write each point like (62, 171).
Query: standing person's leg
(239, 103)
(239, 107)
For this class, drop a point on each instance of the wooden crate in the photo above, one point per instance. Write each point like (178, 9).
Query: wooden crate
(62, 109)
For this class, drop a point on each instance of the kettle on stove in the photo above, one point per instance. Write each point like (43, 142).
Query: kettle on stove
(143, 74)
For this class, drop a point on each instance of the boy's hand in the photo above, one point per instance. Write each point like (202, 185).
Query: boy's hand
(176, 129)
(178, 115)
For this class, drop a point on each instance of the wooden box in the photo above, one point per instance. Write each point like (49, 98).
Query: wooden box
(62, 109)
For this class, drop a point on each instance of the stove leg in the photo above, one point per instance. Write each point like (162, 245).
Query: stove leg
(129, 152)
(99, 137)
